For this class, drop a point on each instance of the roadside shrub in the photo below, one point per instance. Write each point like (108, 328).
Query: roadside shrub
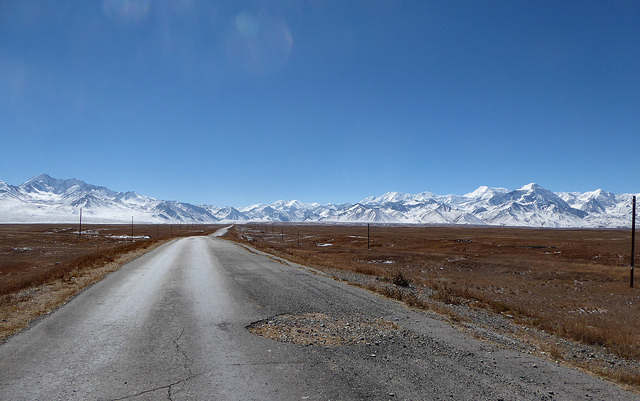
(399, 279)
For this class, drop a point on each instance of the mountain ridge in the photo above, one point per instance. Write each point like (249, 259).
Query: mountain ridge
(44, 199)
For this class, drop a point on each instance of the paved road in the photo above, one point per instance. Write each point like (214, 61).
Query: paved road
(172, 325)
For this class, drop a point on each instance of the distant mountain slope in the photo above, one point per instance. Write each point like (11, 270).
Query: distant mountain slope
(50, 200)
(46, 199)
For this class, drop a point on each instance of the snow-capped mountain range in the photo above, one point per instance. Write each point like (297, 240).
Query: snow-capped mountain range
(44, 199)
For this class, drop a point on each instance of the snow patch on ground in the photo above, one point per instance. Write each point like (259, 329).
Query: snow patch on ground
(128, 236)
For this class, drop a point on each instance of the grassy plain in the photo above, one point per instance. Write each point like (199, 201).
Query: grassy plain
(573, 283)
(41, 266)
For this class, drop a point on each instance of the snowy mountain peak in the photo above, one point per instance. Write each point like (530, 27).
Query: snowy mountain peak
(396, 197)
(292, 204)
(483, 189)
(45, 178)
(485, 192)
(532, 187)
(385, 198)
(45, 183)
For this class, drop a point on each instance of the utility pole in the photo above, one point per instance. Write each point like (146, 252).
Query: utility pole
(132, 227)
(368, 237)
(633, 240)
(80, 227)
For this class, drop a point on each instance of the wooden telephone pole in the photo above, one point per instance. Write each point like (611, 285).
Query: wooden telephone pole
(633, 240)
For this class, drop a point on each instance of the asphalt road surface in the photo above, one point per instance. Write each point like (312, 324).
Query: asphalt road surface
(172, 325)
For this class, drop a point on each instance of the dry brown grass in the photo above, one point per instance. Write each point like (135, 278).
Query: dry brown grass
(573, 283)
(42, 266)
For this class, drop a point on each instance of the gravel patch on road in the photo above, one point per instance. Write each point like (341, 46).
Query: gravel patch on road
(322, 329)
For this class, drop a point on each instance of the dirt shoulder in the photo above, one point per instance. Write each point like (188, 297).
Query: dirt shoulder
(507, 332)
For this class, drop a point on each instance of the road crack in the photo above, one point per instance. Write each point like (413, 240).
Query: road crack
(166, 386)
(176, 344)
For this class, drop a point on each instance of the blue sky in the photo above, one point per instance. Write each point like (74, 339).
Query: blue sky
(240, 102)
